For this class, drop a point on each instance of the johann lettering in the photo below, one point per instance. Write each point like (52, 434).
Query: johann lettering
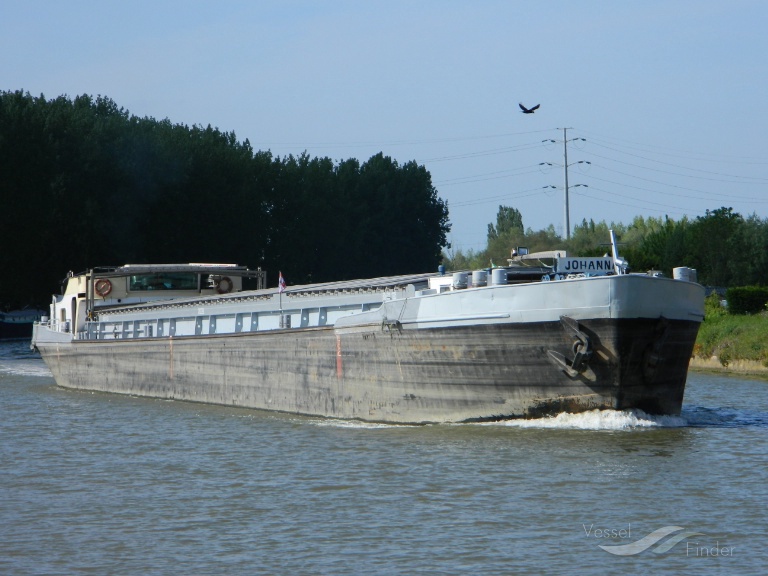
(596, 266)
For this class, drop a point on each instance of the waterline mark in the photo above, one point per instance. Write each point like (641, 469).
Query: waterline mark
(659, 541)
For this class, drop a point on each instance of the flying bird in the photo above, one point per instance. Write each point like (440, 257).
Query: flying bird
(529, 110)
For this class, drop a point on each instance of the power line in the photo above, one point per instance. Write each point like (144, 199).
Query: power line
(757, 180)
(491, 152)
(667, 151)
(714, 194)
(489, 199)
(679, 210)
(482, 177)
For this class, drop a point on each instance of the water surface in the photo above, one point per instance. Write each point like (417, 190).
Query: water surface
(95, 483)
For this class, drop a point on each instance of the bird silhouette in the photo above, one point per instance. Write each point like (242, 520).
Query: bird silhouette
(529, 110)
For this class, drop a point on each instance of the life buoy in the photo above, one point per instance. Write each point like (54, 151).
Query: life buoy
(224, 285)
(103, 287)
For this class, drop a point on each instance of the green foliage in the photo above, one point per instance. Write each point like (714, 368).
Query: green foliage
(725, 248)
(508, 221)
(507, 232)
(85, 184)
(747, 299)
(729, 337)
(713, 307)
(593, 239)
(751, 239)
(665, 247)
(542, 240)
(468, 261)
(715, 240)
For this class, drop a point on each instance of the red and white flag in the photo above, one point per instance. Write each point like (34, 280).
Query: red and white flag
(281, 284)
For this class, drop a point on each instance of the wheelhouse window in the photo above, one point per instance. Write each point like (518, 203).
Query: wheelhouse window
(163, 281)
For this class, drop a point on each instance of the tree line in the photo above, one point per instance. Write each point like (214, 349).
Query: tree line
(84, 183)
(726, 248)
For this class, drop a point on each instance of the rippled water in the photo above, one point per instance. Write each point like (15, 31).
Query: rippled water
(105, 484)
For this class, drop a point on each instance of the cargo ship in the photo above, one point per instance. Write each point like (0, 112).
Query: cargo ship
(545, 334)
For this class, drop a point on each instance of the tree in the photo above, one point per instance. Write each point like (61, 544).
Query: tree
(404, 226)
(87, 184)
(508, 219)
(504, 236)
(751, 267)
(713, 246)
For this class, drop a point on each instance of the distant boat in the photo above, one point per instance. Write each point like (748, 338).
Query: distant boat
(548, 333)
(18, 323)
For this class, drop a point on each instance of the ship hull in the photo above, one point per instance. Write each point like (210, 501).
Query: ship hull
(388, 372)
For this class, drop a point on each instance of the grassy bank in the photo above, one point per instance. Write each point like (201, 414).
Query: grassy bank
(732, 342)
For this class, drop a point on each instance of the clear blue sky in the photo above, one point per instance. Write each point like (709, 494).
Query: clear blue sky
(671, 96)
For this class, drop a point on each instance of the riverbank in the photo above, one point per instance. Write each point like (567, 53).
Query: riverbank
(750, 368)
(731, 343)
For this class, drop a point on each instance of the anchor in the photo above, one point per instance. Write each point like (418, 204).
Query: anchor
(582, 349)
(391, 326)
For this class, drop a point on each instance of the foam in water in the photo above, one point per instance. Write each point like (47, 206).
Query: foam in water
(334, 423)
(592, 420)
(599, 420)
(25, 369)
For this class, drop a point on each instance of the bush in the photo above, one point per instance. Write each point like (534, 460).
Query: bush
(747, 299)
(713, 307)
(731, 337)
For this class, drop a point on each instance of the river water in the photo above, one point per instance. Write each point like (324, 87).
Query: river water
(106, 484)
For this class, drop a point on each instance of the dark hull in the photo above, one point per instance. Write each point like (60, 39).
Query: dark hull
(392, 374)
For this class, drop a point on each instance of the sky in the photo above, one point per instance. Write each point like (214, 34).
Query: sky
(664, 103)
